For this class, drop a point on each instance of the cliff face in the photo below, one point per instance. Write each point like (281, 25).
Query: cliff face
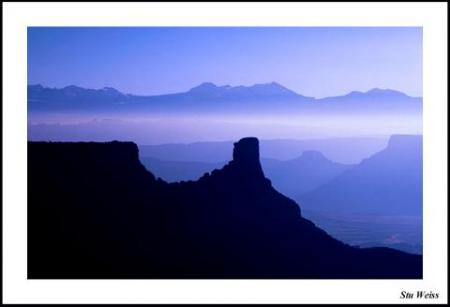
(387, 183)
(95, 212)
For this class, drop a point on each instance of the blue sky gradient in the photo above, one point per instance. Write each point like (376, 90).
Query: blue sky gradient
(313, 61)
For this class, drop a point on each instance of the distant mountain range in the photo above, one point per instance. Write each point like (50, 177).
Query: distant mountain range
(73, 95)
(209, 90)
(208, 97)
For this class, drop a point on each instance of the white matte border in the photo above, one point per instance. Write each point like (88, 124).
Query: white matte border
(17, 16)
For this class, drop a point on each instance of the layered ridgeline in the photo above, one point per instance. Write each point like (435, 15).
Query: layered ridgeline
(376, 206)
(345, 150)
(291, 177)
(266, 98)
(387, 183)
(94, 211)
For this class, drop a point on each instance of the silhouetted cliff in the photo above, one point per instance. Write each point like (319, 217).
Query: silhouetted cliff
(95, 212)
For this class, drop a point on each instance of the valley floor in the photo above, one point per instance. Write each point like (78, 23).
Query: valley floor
(399, 232)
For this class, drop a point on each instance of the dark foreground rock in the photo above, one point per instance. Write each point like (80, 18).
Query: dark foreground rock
(95, 212)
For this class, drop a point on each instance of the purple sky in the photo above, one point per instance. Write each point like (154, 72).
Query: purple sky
(312, 61)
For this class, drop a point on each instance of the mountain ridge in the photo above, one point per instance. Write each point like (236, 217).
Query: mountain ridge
(213, 86)
(264, 99)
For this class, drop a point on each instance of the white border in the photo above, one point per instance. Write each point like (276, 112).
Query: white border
(17, 16)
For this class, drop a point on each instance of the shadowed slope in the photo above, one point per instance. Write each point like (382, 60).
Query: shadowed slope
(387, 183)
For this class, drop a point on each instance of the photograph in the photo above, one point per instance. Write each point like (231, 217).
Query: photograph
(224, 152)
